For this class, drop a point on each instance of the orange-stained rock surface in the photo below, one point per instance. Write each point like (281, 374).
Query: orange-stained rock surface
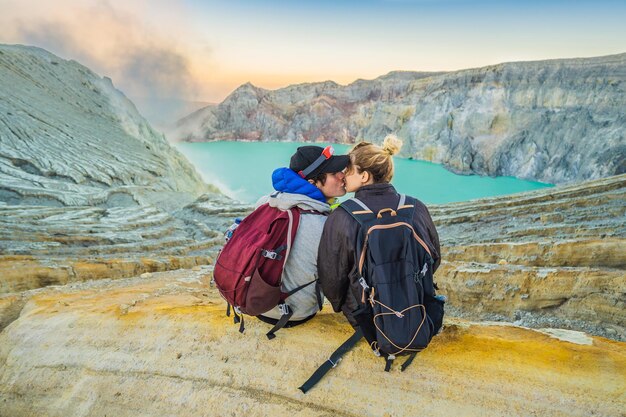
(162, 346)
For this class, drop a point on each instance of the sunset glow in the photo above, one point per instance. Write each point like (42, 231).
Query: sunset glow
(202, 50)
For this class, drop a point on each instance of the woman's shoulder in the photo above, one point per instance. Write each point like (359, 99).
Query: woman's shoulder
(419, 202)
(421, 214)
(416, 201)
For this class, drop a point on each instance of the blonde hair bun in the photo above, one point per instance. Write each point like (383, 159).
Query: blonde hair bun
(392, 144)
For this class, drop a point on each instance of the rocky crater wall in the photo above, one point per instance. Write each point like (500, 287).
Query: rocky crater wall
(88, 190)
(69, 138)
(558, 121)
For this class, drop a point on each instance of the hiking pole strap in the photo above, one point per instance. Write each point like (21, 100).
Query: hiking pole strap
(332, 361)
(408, 361)
(287, 313)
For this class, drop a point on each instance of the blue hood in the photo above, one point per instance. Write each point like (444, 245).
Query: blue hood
(288, 181)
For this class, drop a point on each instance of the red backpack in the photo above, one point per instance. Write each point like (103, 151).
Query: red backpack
(248, 269)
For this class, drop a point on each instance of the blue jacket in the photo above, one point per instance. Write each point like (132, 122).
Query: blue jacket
(288, 181)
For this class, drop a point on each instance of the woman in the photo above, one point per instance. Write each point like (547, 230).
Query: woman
(368, 175)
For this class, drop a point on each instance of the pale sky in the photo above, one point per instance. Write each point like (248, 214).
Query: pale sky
(202, 50)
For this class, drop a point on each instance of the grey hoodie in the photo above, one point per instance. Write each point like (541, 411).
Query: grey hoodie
(301, 265)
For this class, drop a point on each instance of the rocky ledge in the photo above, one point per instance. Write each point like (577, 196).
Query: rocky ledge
(548, 258)
(41, 246)
(557, 121)
(163, 346)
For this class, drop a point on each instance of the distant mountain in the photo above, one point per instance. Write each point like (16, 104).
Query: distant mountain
(68, 137)
(555, 121)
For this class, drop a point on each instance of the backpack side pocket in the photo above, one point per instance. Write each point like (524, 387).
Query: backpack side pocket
(261, 296)
(434, 311)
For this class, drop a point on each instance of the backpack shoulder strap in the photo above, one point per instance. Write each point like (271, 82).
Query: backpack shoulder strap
(332, 361)
(406, 206)
(294, 221)
(358, 210)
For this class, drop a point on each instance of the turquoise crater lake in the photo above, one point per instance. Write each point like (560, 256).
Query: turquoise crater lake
(243, 170)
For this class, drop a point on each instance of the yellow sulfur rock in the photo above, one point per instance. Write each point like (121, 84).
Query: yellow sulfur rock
(163, 346)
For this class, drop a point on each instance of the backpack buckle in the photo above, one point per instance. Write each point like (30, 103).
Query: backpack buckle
(334, 364)
(363, 283)
(269, 254)
(283, 308)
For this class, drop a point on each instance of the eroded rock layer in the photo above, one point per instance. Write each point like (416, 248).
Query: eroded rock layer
(163, 346)
(549, 257)
(42, 246)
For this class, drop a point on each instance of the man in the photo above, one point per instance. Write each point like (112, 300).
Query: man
(313, 180)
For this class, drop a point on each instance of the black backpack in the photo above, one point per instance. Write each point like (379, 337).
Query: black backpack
(398, 312)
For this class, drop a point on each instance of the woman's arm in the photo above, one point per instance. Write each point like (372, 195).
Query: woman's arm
(422, 217)
(434, 238)
(335, 258)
